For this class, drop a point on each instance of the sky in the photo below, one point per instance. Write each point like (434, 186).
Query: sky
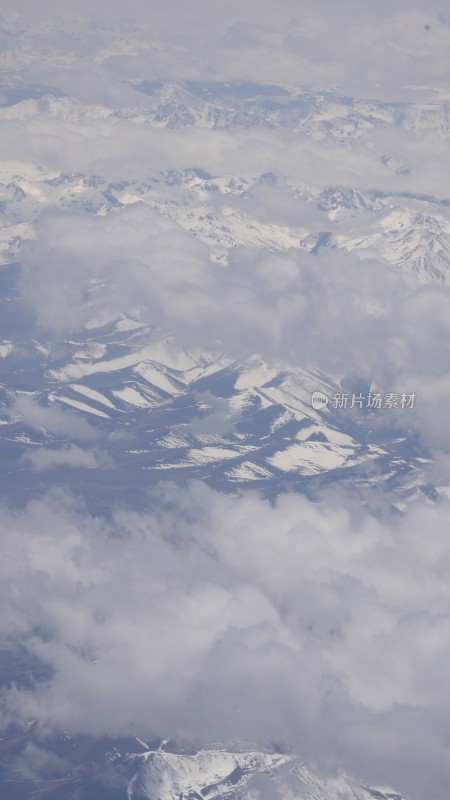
(207, 615)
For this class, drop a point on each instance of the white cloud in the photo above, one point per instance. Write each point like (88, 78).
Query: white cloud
(211, 616)
(43, 458)
(368, 50)
(52, 419)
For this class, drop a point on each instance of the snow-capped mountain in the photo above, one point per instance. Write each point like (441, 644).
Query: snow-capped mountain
(202, 413)
(151, 410)
(163, 409)
(128, 769)
(407, 232)
(218, 774)
(401, 228)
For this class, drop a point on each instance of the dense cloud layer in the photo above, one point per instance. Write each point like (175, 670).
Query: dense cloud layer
(369, 50)
(214, 617)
